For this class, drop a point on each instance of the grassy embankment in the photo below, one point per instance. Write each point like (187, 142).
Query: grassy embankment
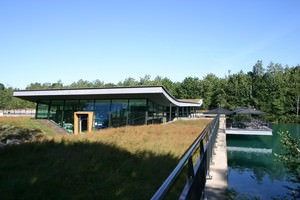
(116, 163)
(26, 122)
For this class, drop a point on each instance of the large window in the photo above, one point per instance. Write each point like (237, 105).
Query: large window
(70, 107)
(86, 105)
(42, 110)
(56, 111)
(137, 111)
(119, 112)
(102, 111)
(156, 113)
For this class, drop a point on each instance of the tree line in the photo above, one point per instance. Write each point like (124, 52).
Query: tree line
(274, 89)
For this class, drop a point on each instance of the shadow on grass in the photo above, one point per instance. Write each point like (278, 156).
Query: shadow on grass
(80, 170)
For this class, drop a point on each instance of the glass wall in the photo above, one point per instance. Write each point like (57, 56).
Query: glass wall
(70, 107)
(137, 111)
(156, 113)
(56, 111)
(108, 113)
(86, 105)
(42, 110)
(119, 112)
(102, 113)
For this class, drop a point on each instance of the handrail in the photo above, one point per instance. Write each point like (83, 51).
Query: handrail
(210, 131)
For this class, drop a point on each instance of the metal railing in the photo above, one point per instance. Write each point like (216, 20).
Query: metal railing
(17, 112)
(197, 174)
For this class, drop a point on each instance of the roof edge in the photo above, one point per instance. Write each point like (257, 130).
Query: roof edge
(160, 89)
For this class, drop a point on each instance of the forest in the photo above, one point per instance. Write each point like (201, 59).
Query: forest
(274, 89)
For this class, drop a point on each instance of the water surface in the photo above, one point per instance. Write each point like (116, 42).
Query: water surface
(253, 170)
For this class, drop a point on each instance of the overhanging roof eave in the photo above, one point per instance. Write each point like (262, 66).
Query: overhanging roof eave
(35, 95)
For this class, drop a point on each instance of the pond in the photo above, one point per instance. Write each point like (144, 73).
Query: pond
(253, 171)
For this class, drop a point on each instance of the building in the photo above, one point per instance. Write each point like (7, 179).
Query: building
(78, 110)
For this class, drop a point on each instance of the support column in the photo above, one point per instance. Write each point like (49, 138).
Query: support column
(36, 110)
(109, 119)
(127, 113)
(146, 113)
(62, 114)
(170, 114)
(146, 117)
(194, 114)
(49, 109)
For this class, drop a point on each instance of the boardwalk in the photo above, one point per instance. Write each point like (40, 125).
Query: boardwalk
(217, 185)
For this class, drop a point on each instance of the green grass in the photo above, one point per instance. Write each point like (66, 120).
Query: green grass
(81, 170)
(26, 122)
(116, 163)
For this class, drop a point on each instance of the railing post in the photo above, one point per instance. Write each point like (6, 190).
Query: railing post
(191, 168)
(201, 149)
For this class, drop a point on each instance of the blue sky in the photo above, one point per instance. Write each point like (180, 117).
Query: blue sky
(110, 40)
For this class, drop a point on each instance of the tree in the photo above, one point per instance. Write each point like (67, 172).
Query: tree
(129, 82)
(2, 96)
(57, 85)
(170, 86)
(35, 86)
(157, 80)
(257, 86)
(146, 80)
(189, 88)
(207, 90)
(239, 90)
(219, 97)
(274, 90)
(97, 83)
(81, 84)
(2, 87)
(290, 157)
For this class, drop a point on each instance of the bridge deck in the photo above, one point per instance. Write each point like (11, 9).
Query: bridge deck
(216, 186)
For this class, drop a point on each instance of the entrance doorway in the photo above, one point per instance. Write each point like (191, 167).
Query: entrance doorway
(83, 122)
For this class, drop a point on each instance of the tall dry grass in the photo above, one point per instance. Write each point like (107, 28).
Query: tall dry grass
(115, 163)
(173, 138)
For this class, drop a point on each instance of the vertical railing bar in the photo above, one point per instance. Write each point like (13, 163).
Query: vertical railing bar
(201, 149)
(191, 167)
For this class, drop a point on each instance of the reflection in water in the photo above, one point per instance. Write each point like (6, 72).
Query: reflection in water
(252, 167)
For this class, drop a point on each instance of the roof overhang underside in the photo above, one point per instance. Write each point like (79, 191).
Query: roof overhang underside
(156, 94)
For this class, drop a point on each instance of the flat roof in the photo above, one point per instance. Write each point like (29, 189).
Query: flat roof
(157, 94)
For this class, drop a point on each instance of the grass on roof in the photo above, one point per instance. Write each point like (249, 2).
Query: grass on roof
(116, 163)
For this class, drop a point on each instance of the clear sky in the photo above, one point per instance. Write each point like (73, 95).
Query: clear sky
(110, 40)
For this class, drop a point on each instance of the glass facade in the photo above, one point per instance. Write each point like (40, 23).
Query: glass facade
(156, 113)
(102, 113)
(42, 110)
(137, 111)
(119, 112)
(108, 112)
(56, 111)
